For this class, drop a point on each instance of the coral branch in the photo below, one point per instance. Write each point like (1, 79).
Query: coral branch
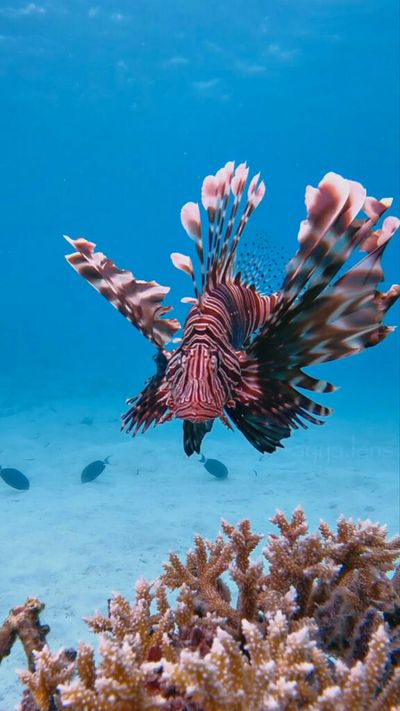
(49, 671)
(318, 630)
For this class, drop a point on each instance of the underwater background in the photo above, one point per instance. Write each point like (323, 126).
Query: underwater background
(111, 115)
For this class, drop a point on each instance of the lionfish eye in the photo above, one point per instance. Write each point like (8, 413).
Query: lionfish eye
(214, 359)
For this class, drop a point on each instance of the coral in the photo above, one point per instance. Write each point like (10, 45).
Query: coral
(318, 629)
(246, 574)
(204, 566)
(286, 670)
(23, 623)
(358, 557)
(119, 683)
(49, 671)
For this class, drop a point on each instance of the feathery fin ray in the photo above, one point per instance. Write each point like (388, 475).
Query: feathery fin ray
(216, 194)
(139, 301)
(315, 320)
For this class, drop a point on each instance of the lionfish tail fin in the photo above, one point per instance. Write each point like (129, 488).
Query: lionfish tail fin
(139, 301)
(221, 197)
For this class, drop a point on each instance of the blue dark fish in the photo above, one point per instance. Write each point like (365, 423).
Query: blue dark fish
(15, 479)
(93, 470)
(214, 467)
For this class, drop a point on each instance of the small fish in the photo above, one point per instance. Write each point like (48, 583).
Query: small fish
(93, 470)
(87, 421)
(214, 467)
(243, 352)
(14, 478)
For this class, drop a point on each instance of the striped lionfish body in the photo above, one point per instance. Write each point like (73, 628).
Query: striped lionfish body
(242, 353)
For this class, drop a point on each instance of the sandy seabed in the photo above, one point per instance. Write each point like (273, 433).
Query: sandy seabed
(72, 545)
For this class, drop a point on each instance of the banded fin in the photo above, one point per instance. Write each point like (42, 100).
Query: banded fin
(331, 233)
(317, 319)
(314, 320)
(261, 432)
(185, 264)
(221, 197)
(191, 221)
(139, 301)
(150, 406)
(266, 409)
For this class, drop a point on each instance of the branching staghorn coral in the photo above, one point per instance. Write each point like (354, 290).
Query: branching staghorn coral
(202, 574)
(285, 670)
(318, 629)
(49, 671)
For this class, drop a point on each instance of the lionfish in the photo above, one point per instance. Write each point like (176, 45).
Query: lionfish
(242, 353)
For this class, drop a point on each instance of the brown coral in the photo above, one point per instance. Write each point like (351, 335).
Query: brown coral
(317, 630)
(23, 623)
(204, 566)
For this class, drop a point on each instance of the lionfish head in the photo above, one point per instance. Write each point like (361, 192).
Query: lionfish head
(200, 382)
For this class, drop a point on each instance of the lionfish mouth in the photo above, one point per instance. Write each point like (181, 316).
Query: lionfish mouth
(197, 414)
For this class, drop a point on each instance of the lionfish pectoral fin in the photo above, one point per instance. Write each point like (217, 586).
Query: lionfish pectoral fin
(150, 406)
(318, 319)
(267, 408)
(193, 435)
(262, 433)
(139, 301)
(224, 419)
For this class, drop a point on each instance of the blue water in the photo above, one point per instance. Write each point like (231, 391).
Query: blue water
(111, 115)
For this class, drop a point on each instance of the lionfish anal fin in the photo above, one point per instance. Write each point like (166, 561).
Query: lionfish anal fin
(139, 301)
(221, 198)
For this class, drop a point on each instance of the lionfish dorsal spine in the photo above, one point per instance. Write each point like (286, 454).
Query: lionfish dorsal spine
(191, 221)
(255, 194)
(185, 264)
(222, 245)
(215, 195)
(237, 187)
